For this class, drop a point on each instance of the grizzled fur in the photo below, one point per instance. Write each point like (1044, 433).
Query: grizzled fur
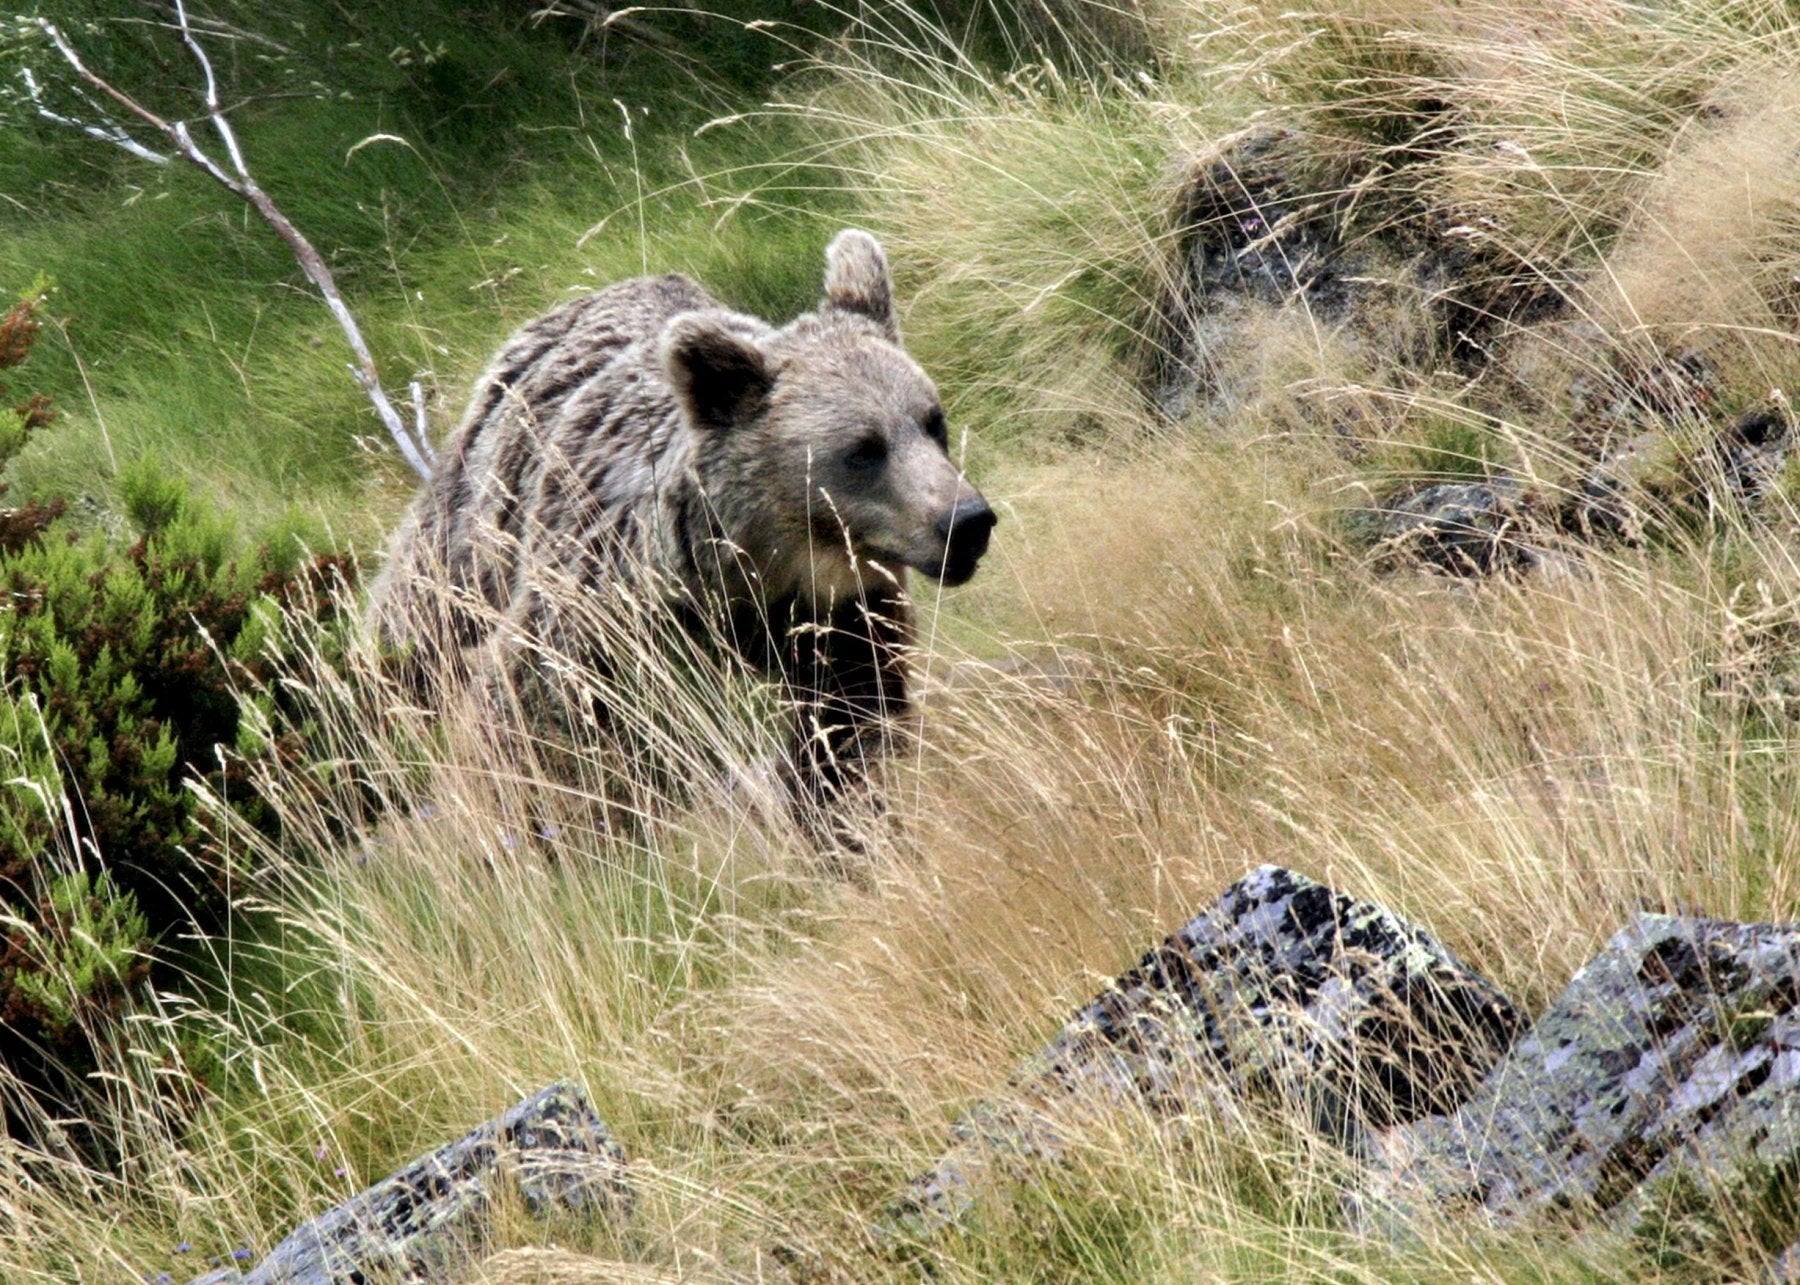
(766, 485)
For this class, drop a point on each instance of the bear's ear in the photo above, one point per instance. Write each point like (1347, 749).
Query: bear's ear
(722, 378)
(857, 280)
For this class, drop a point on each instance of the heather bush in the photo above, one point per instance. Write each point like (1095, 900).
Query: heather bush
(123, 659)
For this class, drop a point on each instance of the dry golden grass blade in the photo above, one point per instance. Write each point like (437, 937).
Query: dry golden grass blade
(557, 1266)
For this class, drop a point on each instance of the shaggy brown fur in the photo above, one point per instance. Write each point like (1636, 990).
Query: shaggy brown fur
(769, 486)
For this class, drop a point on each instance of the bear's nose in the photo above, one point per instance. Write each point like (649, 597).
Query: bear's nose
(964, 531)
(967, 524)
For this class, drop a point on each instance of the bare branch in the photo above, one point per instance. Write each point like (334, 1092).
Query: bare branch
(124, 100)
(106, 131)
(220, 125)
(190, 151)
(412, 441)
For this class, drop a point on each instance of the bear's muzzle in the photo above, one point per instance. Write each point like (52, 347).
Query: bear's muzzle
(964, 530)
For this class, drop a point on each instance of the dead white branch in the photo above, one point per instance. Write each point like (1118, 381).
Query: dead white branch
(410, 439)
(107, 131)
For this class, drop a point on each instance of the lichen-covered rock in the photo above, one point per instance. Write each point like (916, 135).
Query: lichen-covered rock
(1246, 236)
(555, 1152)
(1655, 473)
(1284, 989)
(1626, 486)
(1257, 235)
(1659, 1091)
(1619, 392)
(1465, 528)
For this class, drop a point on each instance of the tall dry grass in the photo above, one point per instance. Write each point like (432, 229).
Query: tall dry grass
(1517, 766)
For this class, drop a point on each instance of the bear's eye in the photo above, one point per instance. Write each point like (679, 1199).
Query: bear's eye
(868, 453)
(936, 429)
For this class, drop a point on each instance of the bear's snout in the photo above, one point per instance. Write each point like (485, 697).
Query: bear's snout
(965, 530)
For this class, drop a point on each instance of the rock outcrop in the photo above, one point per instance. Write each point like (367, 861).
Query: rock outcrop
(1284, 989)
(1260, 228)
(1464, 528)
(1246, 238)
(1658, 1093)
(553, 1150)
(1497, 524)
(1651, 475)
(1265, 245)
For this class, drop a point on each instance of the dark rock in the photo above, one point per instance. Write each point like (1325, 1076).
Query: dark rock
(1754, 451)
(1258, 225)
(1285, 990)
(1735, 467)
(556, 1153)
(1622, 489)
(1477, 290)
(1619, 394)
(1658, 1092)
(1465, 528)
(1243, 235)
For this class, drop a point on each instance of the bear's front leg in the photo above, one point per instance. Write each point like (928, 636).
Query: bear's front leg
(847, 678)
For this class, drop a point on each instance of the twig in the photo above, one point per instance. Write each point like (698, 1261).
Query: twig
(411, 441)
(107, 133)
(214, 27)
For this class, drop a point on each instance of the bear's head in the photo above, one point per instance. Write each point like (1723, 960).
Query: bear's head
(822, 446)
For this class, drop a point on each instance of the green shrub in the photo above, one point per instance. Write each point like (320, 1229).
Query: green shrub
(120, 673)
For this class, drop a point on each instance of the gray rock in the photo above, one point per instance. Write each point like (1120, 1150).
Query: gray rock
(1619, 393)
(1753, 452)
(1658, 1093)
(1465, 528)
(1245, 236)
(1733, 467)
(1255, 231)
(1625, 486)
(557, 1154)
(1284, 990)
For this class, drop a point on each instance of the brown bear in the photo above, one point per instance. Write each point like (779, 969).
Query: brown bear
(767, 488)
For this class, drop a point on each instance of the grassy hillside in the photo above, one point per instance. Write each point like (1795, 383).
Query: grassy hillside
(1219, 670)
(454, 164)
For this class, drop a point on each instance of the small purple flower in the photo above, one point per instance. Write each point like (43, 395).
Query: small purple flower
(551, 831)
(183, 1247)
(240, 1255)
(427, 812)
(508, 841)
(321, 1151)
(338, 1172)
